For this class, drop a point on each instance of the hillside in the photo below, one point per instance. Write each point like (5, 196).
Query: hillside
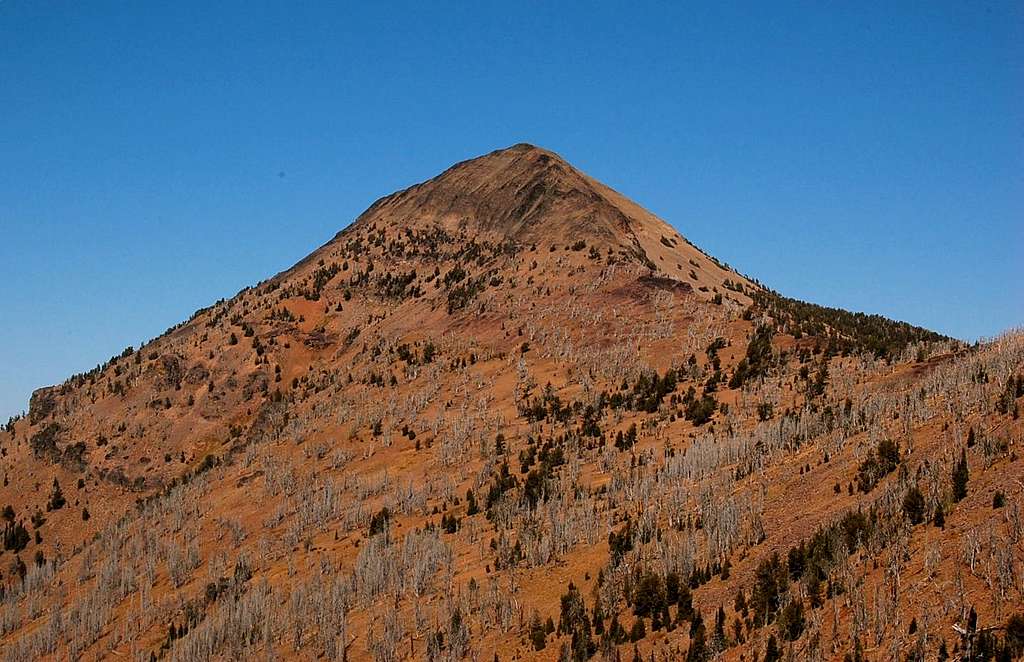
(509, 414)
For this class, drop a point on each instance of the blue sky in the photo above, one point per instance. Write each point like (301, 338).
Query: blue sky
(156, 158)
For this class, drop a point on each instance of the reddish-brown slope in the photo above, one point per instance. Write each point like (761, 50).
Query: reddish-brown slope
(232, 468)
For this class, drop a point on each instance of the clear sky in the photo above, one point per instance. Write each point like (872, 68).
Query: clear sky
(154, 158)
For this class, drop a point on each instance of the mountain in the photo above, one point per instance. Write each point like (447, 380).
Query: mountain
(509, 413)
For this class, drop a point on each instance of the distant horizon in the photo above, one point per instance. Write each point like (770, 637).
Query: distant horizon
(157, 159)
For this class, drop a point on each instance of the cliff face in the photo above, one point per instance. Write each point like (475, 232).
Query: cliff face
(491, 385)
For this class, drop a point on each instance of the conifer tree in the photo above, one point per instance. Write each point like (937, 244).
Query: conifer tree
(960, 477)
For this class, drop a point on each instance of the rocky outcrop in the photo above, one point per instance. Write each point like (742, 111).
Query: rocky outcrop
(42, 404)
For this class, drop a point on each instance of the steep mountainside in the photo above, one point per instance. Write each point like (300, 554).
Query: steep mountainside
(508, 413)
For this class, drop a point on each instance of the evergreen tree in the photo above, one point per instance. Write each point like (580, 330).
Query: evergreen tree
(960, 477)
(649, 597)
(575, 622)
(913, 505)
(638, 631)
(57, 500)
(791, 620)
(719, 639)
(684, 605)
(16, 537)
(698, 646)
(771, 582)
(598, 617)
(537, 635)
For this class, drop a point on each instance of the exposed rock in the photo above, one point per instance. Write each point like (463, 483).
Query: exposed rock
(42, 403)
(170, 370)
(197, 374)
(256, 382)
(319, 340)
(44, 442)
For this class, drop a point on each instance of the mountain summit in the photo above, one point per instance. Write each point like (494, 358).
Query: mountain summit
(531, 196)
(523, 192)
(504, 398)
